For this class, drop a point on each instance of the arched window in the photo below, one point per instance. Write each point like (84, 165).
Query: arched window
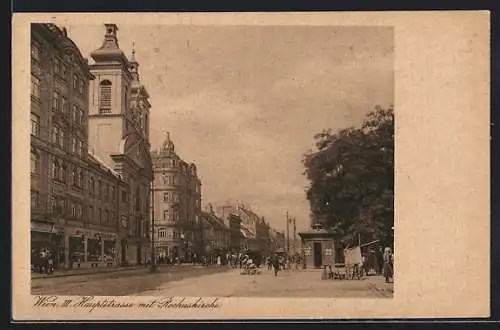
(105, 96)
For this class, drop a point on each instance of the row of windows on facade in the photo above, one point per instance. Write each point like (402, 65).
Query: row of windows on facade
(175, 181)
(60, 171)
(64, 207)
(175, 163)
(172, 215)
(174, 198)
(61, 69)
(59, 103)
(59, 137)
(164, 233)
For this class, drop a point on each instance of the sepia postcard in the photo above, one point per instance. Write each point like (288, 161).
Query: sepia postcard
(218, 166)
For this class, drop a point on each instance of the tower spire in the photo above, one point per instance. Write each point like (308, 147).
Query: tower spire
(134, 66)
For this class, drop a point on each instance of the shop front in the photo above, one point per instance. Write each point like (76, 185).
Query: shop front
(91, 248)
(47, 239)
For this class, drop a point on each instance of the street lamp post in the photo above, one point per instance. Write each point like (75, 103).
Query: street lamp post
(153, 248)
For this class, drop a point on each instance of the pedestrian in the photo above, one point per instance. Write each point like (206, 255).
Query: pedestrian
(276, 265)
(219, 262)
(363, 266)
(380, 261)
(387, 264)
(50, 264)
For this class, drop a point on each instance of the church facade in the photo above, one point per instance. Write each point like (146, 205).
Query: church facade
(118, 123)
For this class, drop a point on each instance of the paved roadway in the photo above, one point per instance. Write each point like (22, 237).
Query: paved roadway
(213, 282)
(120, 283)
(297, 283)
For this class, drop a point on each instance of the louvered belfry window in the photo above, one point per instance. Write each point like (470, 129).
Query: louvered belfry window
(105, 96)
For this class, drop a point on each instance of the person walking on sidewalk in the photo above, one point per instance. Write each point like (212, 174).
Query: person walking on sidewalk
(219, 262)
(388, 270)
(276, 265)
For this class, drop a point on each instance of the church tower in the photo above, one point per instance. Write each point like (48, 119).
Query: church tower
(109, 97)
(119, 137)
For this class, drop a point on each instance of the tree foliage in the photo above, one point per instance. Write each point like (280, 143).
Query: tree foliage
(351, 178)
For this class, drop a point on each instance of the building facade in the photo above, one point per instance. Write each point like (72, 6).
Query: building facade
(215, 235)
(254, 231)
(119, 137)
(74, 197)
(177, 206)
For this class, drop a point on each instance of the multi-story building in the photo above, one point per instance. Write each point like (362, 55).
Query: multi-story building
(215, 234)
(177, 206)
(278, 241)
(119, 136)
(254, 232)
(74, 197)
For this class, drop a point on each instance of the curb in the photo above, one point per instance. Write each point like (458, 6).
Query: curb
(104, 271)
(114, 270)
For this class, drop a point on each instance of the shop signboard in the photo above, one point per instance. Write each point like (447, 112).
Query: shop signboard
(45, 228)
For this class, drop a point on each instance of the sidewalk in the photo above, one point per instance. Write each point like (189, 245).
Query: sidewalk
(102, 270)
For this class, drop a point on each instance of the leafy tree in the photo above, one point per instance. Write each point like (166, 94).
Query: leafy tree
(351, 178)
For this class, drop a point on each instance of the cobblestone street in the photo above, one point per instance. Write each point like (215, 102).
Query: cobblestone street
(213, 282)
(119, 283)
(299, 283)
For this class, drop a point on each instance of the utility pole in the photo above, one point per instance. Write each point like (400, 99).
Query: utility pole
(294, 233)
(153, 247)
(287, 234)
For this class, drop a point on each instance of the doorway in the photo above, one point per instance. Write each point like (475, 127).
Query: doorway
(318, 257)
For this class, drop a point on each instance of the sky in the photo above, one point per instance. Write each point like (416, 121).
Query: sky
(244, 102)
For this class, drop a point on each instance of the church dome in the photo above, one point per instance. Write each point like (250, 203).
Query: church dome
(110, 50)
(168, 145)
